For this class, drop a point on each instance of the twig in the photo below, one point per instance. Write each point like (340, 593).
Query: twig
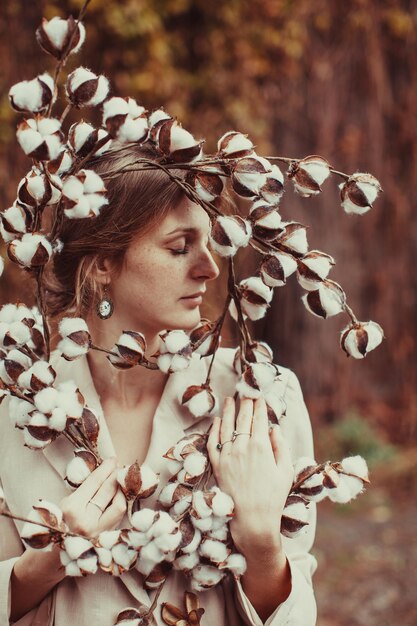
(217, 331)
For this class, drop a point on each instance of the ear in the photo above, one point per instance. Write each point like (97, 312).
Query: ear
(104, 269)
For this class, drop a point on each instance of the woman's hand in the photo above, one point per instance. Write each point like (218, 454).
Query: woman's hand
(98, 504)
(253, 465)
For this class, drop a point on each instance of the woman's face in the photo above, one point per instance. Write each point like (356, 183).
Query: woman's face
(164, 274)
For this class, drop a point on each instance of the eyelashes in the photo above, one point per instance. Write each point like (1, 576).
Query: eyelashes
(180, 251)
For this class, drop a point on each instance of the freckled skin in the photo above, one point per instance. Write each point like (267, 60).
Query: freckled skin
(153, 279)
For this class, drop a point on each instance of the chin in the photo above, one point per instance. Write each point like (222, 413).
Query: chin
(185, 322)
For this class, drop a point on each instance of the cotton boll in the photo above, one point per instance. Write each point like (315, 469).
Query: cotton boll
(328, 300)
(187, 562)
(180, 507)
(313, 268)
(205, 577)
(234, 144)
(77, 471)
(137, 539)
(360, 338)
(355, 465)
(68, 399)
(75, 547)
(33, 443)
(151, 553)
(168, 542)
(294, 237)
(84, 88)
(344, 492)
(41, 374)
(220, 522)
(174, 341)
(72, 569)
(174, 493)
(164, 525)
(105, 558)
(220, 534)
(58, 420)
(235, 563)
(308, 174)
(214, 550)
(195, 464)
(199, 400)
(359, 192)
(222, 504)
(164, 362)
(123, 556)
(69, 325)
(142, 520)
(192, 546)
(150, 481)
(257, 380)
(88, 565)
(294, 520)
(204, 524)
(71, 350)
(200, 507)
(46, 399)
(32, 250)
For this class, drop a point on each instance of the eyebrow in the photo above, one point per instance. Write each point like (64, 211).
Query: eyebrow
(182, 230)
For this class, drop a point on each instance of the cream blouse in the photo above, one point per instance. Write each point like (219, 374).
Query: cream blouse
(27, 475)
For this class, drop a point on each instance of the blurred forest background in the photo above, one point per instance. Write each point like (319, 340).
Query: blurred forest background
(327, 77)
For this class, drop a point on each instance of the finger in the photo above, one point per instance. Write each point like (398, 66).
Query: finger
(106, 492)
(228, 420)
(214, 439)
(114, 512)
(260, 420)
(245, 416)
(93, 482)
(279, 444)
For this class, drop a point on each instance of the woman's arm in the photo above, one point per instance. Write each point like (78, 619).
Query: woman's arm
(36, 573)
(257, 472)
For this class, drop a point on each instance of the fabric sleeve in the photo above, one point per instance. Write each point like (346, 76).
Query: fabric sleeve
(11, 549)
(299, 609)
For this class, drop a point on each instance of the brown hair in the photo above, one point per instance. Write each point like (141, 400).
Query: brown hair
(137, 201)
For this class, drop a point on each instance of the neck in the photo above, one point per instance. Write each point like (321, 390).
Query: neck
(124, 387)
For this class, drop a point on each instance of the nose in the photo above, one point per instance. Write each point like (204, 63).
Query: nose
(207, 268)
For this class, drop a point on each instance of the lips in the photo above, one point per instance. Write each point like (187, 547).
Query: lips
(199, 294)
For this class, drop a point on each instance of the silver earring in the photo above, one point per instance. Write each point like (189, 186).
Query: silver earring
(105, 306)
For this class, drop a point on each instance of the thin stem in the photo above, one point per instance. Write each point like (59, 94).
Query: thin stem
(75, 442)
(143, 362)
(290, 160)
(155, 600)
(241, 322)
(65, 113)
(65, 55)
(102, 142)
(19, 518)
(28, 352)
(42, 309)
(217, 331)
(312, 472)
(351, 314)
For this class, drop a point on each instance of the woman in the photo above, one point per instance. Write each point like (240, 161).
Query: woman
(148, 253)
